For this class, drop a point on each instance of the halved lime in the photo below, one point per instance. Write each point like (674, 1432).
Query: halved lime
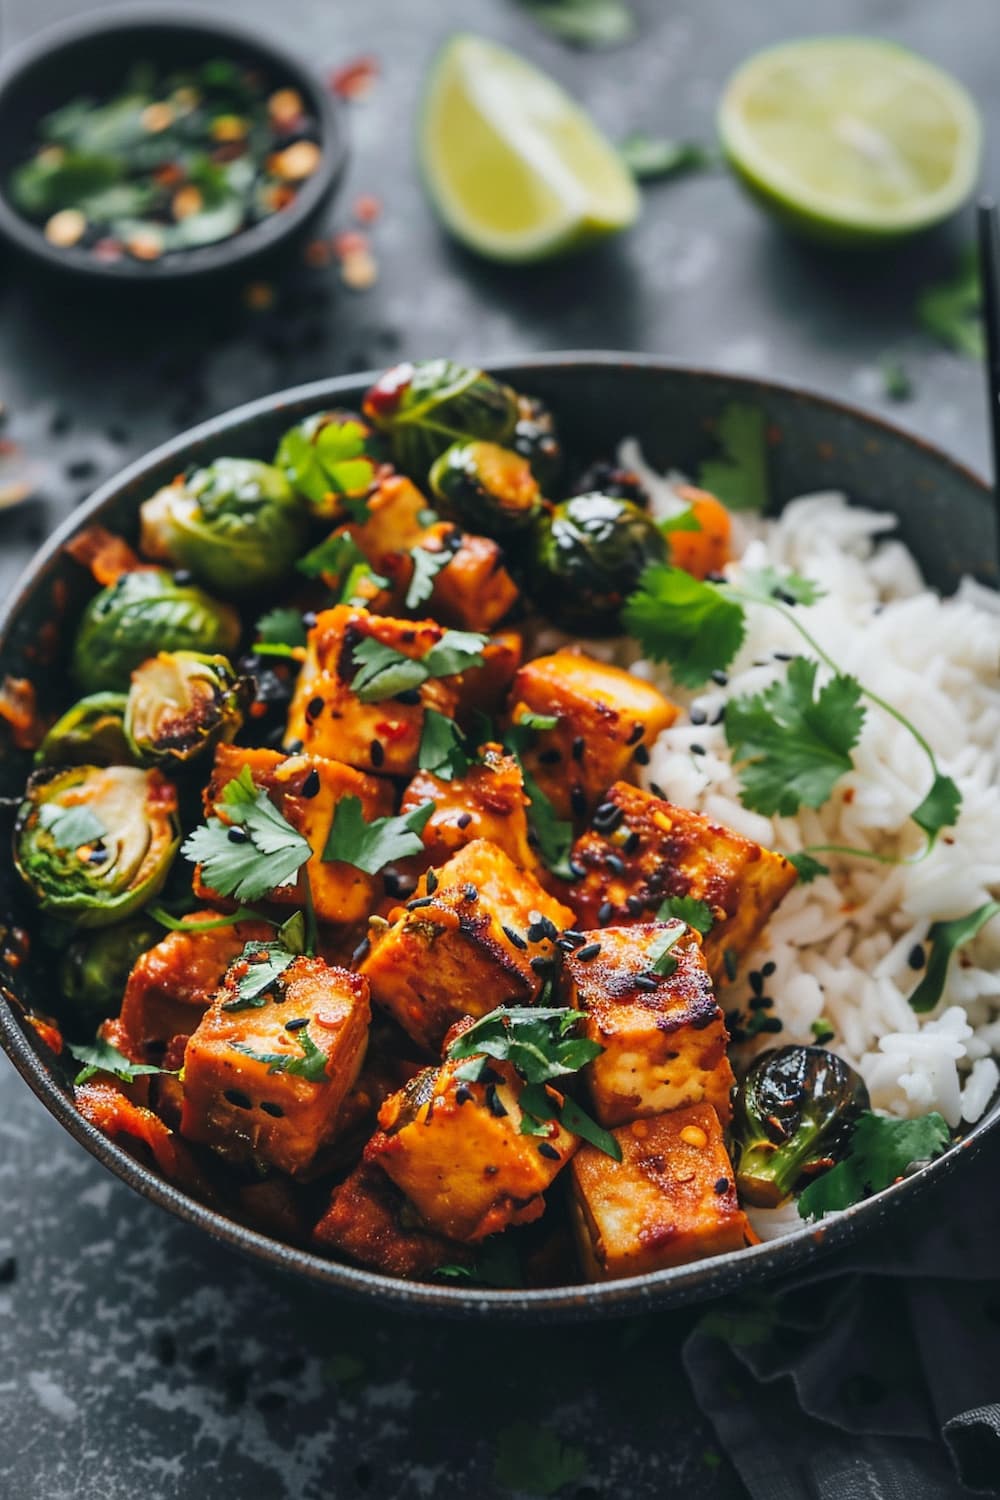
(516, 169)
(851, 140)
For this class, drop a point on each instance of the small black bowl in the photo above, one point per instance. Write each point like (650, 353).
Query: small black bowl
(91, 56)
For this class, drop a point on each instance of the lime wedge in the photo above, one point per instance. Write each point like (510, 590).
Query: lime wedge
(515, 168)
(851, 140)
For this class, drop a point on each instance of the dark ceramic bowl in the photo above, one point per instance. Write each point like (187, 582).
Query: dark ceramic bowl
(91, 56)
(945, 517)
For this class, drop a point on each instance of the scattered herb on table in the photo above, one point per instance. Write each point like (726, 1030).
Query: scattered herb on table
(584, 23)
(881, 1149)
(649, 157)
(952, 310)
(896, 380)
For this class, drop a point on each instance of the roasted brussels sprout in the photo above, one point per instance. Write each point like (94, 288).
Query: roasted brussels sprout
(95, 967)
(95, 843)
(426, 407)
(588, 558)
(180, 703)
(331, 457)
(90, 733)
(536, 440)
(489, 488)
(794, 1110)
(142, 613)
(237, 525)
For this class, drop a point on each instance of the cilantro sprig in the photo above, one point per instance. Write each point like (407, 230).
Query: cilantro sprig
(944, 939)
(370, 846)
(383, 672)
(102, 1057)
(332, 462)
(280, 632)
(442, 747)
(268, 856)
(539, 1042)
(880, 1150)
(426, 567)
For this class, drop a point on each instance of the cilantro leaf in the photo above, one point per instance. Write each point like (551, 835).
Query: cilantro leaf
(661, 959)
(692, 625)
(649, 156)
(334, 556)
(951, 311)
(794, 747)
(583, 23)
(70, 827)
(530, 720)
(768, 585)
(442, 748)
(945, 938)
(880, 1150)
(372, 846)
(940, 808)
(684, 520)
(697, 914)
(281, 627)
(311, 1065)
(456, 651)
(897, 383)
(807, 867)
(333, 461)
(553, 835)
(272, 853)
(382, 671)
(497, 1264)
(102, 1057)
(739, 478)
(266, 962)
(426, 567)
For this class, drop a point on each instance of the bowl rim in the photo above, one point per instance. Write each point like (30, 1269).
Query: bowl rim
(238, 249)
(694, 1281)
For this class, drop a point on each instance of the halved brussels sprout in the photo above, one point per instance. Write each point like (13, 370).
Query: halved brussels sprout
(94, 968)
(489, 488)
(426, 407)
(535, 438)
(589, 556)
(180, 703)
(331, 457)
(794, 1110)
(95, 843)
(142, 613)
(237, 524)
(90, 733)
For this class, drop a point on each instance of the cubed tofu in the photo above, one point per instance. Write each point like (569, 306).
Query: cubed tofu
(482, 690)
(172, 984)
(240, 1094)
(371, 1222)
(604, 715)
(488, 802)
(330, 720)
(472, 592)
(664, 1036)
(456, 1150)
(671, 1198)
(642, 850)
(306, 790)
(472, 939)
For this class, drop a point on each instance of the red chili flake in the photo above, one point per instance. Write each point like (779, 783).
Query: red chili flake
(349, 242)
(367, 208)
(355, 79)
(391, 729)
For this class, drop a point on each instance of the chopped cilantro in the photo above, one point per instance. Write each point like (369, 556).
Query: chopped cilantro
(649, 156)
(684, 520)
(382, 671)
(940, 808)
(266, 962)
(311, 1065)
(822, 1031)
(102, 1057)
(270, 855)
(442, 747)
(794, 746)
(281, 627)
(944, 939)
(530, 720)
(880, 1150)
(70, 827)
(372, 846)
(426, 567)
(807, 867)
(533, 1460)
(335, 556)
(333, 462)
(496, 1264)
(897, 383)
(951, 311)
(661, 959)
(740, 477)
(697, 914)
(680, 620)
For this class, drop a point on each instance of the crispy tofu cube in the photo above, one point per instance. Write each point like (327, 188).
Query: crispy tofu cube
(642, 849)
(465, 943)
(330, 720)
(671, 1198)
(306, 790)
(483, 689)
(261, 1094)
(472, 592)
(371, 1222)
(172, 984)
(664, 1037)
(456, 1150)
(488, 802)
(604, 715)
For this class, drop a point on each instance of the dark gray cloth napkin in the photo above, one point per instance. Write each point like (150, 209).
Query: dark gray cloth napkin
(877, 1375)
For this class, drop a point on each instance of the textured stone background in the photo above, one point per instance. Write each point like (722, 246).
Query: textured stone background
(135, 1357)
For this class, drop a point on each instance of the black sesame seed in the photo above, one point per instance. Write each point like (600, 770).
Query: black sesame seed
(98, 855)
(587, 952)
(542, 965)
(515, 938)
(309, 619)
(470, 892)
(8, 1270)
(275, 1110)
(641, 756)
(550, 757)
(418, 902)
(182, 577)
(657, 791)
(697, 715)
(578, 748)
(376, 753)
(761, 1002)
(294, 747)
(494, 1103)
(238, 1099)
(614, 864)
(298, 1023)
(549, 928)
(572, 936)
(605, 912)
(635, 906)
(577, 870)
(719, 715)
(638, 730)
(783, 655)
(645, 982)
(362, 951)
(769, 968)
(697, 749)
(715, 577)
(607, 818)
(310, 786)
(756, 981)
(771, 1024)
(916, 958)
(631, 844)
(238, 836)
(431, 882)
(578, 801)
(550, 1152)
(464, 820)
(409, 696)
(463, 1094)
(720, 678)
(722, 1186)
(314, 708)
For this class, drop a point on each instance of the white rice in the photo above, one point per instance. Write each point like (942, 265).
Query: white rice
(841, 945)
